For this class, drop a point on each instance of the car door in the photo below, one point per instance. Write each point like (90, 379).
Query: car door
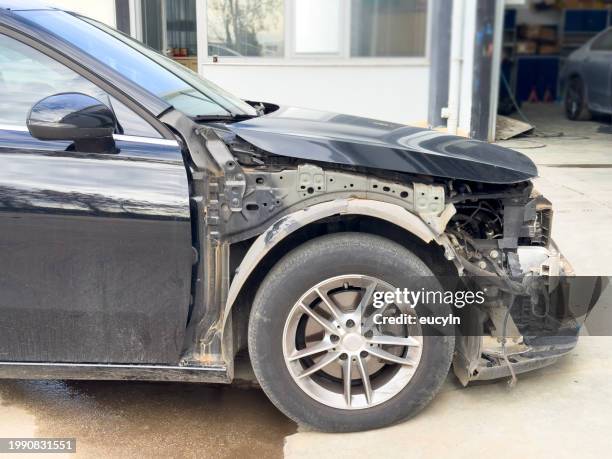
(598, 73)
(95, 249)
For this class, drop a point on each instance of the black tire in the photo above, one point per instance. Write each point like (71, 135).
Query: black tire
(576, 101)
(306, 266)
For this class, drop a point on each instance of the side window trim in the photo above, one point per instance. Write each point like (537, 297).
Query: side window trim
(13, 127)
(120, 137)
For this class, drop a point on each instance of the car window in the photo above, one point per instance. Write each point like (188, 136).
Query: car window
(603, 42)
(173, 82)
(27, 76)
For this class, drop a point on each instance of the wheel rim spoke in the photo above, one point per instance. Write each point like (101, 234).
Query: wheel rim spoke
(346, 376)
(387, 356)
(328, 332)
(325, 360)
(365, 299)
(367, 323)
(365, 378)
(395, 340)
(326, 324)
(312, 350)
(331, 306)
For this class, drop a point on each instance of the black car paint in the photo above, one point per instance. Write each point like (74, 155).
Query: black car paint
(74, 222)
(75, 117)
(354, 141)
(95, 252)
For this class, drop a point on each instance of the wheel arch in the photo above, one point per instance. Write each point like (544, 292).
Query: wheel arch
(373, 217)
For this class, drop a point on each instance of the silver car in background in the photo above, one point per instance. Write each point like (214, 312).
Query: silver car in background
(587, 78)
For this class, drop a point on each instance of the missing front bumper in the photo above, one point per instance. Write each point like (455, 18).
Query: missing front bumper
(520, 332)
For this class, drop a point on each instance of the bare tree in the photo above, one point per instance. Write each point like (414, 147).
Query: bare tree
(241, 20)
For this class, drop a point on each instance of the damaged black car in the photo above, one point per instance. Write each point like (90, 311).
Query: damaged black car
(154, 227)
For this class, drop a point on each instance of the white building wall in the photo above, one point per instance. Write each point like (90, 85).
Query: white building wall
(392, 93)
(101, 10)
(527, 14)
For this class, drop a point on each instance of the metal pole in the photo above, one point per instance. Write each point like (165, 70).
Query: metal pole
(498, 39)
(483, 69)
(456, 64)
(439, 55)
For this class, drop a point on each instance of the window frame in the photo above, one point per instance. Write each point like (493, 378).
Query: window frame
(111, 97)
(92, 77)
(291, 58)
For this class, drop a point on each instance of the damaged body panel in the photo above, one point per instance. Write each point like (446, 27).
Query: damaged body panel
(353, 141)
(493, 235)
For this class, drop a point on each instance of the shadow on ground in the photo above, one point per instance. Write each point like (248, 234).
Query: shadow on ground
(136, 419)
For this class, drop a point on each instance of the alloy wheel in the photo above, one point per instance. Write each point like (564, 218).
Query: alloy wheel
(338, 355)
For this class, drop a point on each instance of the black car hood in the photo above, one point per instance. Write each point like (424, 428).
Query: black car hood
(350, 140)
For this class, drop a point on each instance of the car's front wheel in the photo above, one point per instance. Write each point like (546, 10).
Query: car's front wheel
(316, 351)
(576, 104)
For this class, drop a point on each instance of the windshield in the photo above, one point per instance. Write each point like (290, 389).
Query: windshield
(183, 89)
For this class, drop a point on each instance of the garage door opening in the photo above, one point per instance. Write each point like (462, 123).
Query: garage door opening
(556, 72)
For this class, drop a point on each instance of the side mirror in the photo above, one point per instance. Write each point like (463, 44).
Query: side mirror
(86, 121)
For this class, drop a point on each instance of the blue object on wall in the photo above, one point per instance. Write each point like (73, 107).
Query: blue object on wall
(585, 20)
(539, 72)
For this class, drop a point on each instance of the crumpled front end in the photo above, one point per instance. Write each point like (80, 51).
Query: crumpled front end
(486, 235)
(534, 304)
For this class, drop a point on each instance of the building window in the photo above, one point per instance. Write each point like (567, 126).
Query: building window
(317, 25)
(303, 29)
(246, 28)
(388, 28)
(122, 13)
(169, 26)
(153, 24)
(181, 27)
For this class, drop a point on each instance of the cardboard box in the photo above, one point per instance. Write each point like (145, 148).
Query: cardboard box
(582, 4)
(526, 47)
(548, 34)
(547, 49)
(538, 33)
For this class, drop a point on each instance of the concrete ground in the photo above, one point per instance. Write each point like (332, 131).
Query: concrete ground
(576, 175)
(561, 411)
(119, 419)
